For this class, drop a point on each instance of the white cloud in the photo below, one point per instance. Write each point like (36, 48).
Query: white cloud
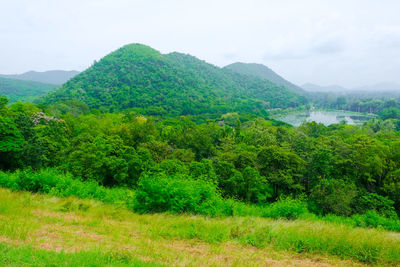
(352, 43)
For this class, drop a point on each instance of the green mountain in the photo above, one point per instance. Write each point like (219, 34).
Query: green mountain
(140, 78)
(16, 90)
(261, 71)
(57, 77)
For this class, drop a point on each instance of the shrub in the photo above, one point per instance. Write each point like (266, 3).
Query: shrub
(382, 205)
(373, 219)
(53, 182)
(334, 196)
(160, 193)
(286, 208)
(203, 170)
(173, 166)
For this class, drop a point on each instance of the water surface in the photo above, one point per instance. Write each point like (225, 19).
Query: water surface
(325, 117)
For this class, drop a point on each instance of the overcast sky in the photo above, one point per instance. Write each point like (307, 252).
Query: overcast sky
(350, 42)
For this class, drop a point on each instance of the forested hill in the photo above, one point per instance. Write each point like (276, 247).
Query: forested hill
(16, 90)
(261, 71)
(140, 78)
(56, 77)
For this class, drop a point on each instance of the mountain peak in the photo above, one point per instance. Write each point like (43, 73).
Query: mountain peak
(136, 51)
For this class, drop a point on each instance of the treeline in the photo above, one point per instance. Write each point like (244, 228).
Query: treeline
(340, 169)
(387, 105)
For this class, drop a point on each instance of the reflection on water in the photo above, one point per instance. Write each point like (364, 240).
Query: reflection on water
(325, 117)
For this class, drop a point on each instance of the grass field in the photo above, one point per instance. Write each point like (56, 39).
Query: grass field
(39, 230)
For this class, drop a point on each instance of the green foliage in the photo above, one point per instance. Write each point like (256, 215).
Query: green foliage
(3, 102)
(390, 113)
(381, 204)
(11, 139)
(177, 194)
(384, 104)
(53, 182)
(341, 169)
(173, 166)
(282, 168)
(28, 256)
(254, 187)
(203, 170)
(11, 142)
(106, 160)
(374, 220)
(334, 196)
(286, 208)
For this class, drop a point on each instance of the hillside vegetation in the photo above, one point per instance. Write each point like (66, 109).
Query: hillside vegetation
(209, 180)
(341, 169)
(263, 72)
(19, 90)
(140, 78)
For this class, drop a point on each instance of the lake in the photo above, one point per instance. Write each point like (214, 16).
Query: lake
(325, 117)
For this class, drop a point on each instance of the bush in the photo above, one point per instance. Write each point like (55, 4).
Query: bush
(334, 196)
(53, 182)
(370, 219)
(381, 204)
(177, 194)
(173, 166)
(374, 220)
(286, 208)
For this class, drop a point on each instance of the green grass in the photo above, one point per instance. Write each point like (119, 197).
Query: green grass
(28, 256)
(92, 227)
(53, 182)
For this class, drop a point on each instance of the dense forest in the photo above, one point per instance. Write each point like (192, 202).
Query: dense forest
(139, 78)
(339, 169)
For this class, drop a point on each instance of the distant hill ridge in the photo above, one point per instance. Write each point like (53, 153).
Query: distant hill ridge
(262, 71)
(139, 77)
(20, 90)
(379, 87)
(56, 77)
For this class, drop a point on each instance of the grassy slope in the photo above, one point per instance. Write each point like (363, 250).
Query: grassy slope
(38, 229)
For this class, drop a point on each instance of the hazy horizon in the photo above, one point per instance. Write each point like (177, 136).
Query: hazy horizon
(348, 43)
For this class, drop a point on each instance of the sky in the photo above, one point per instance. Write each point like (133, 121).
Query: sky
(345, 42)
